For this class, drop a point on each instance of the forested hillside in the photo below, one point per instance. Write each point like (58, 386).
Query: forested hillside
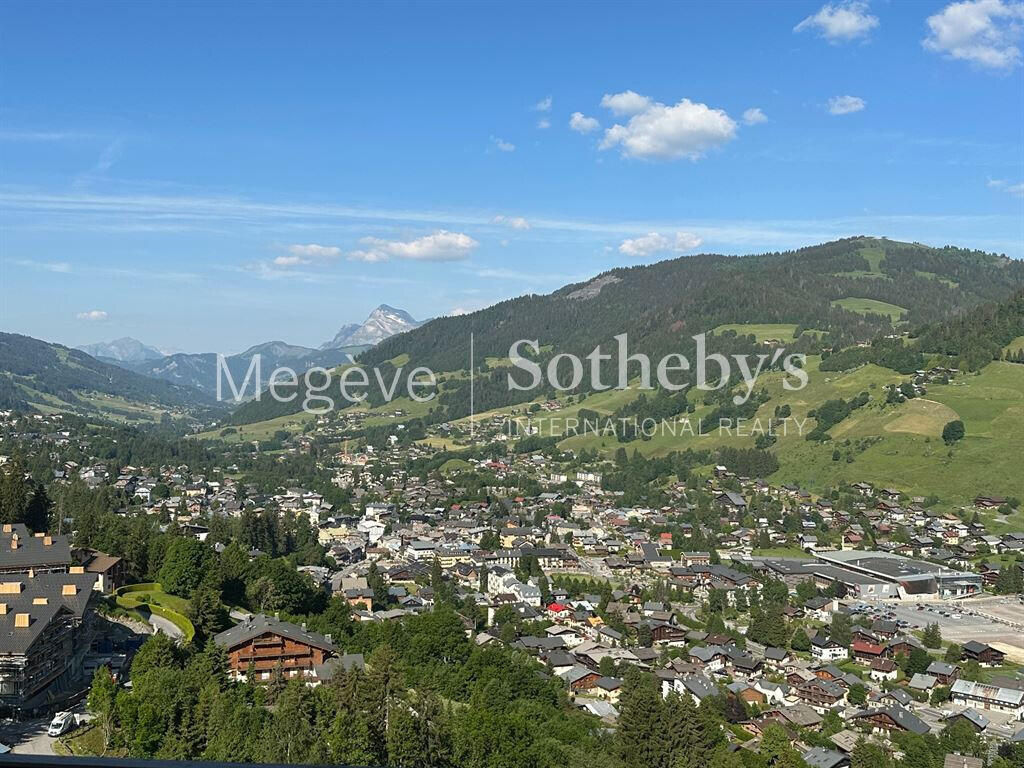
(979, 336)
(663, 304)
(833, 294)
(33, 371)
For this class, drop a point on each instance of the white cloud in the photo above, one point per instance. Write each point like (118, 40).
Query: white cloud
(583, 124)
(688, 129)
(625, 103)
(844, 105)
(93, 315)
(754, 115)
(309, 253)
(1017, 190)
(504, 146)
(544, 105)
(439, 246)
(543, 123)
(655, 242)
(983, 32)
(996, 183)
(314, 251)
(840, 22)
(514, 222)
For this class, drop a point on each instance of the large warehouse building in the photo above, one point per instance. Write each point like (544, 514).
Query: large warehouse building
(913, 579)
(871, 575)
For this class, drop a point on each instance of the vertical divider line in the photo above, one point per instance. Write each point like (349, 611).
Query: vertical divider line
(472, 382)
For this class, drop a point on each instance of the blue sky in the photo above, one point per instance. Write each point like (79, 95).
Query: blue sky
(209, 176)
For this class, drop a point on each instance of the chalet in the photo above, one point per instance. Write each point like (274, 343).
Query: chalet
(260, 645)
(580, 678)
(667, 634)
(883, 670)
(982, 653)
(903, 646)
(865, 651)
(826, 649)
(820, 695)
(972, 717)
(989, 502)
(892, 718)
(733, 502)
(945, 674)
(108, 569)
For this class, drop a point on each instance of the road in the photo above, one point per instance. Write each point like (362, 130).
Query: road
(166, 626)
(27, 738)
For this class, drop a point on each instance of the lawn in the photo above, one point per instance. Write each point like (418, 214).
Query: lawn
(1015, 346)
(86, 740)
(151, 596)
(872, 306)
(292, 423)
(760, 331)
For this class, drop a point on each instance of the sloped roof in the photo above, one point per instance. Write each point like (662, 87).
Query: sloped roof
(258, 625)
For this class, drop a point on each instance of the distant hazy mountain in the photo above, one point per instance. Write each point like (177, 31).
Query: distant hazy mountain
(200, 370)
(124, 350)
(383, 323)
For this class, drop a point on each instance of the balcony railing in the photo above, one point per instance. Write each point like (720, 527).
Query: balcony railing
(55, 761)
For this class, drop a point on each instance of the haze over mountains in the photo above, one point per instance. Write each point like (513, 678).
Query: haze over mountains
(199, 370)
(123, 350)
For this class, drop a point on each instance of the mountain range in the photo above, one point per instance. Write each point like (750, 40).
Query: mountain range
(123, 350)
(199, 370)
(383, 323)
(36, 374)
(832, 296)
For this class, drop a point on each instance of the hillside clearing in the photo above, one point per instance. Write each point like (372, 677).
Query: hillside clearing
(870, 306)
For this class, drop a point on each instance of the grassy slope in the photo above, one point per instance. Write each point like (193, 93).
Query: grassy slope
(106, 406)
(898, 446)
(865, 306)
(1015, 346)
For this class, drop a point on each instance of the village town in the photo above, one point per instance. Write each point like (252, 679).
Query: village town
(846, 618)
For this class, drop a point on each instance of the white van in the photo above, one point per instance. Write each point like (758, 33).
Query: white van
(62, 723)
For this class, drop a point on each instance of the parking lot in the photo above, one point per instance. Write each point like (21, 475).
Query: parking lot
(998, 621)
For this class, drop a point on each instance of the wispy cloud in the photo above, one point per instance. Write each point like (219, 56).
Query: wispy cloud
(81, 210)
(60, 267)
(44, 136)
(512, 222)
(754, 115)
(845, 105)
(544, 105)
(502, 145)
(840, 22)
